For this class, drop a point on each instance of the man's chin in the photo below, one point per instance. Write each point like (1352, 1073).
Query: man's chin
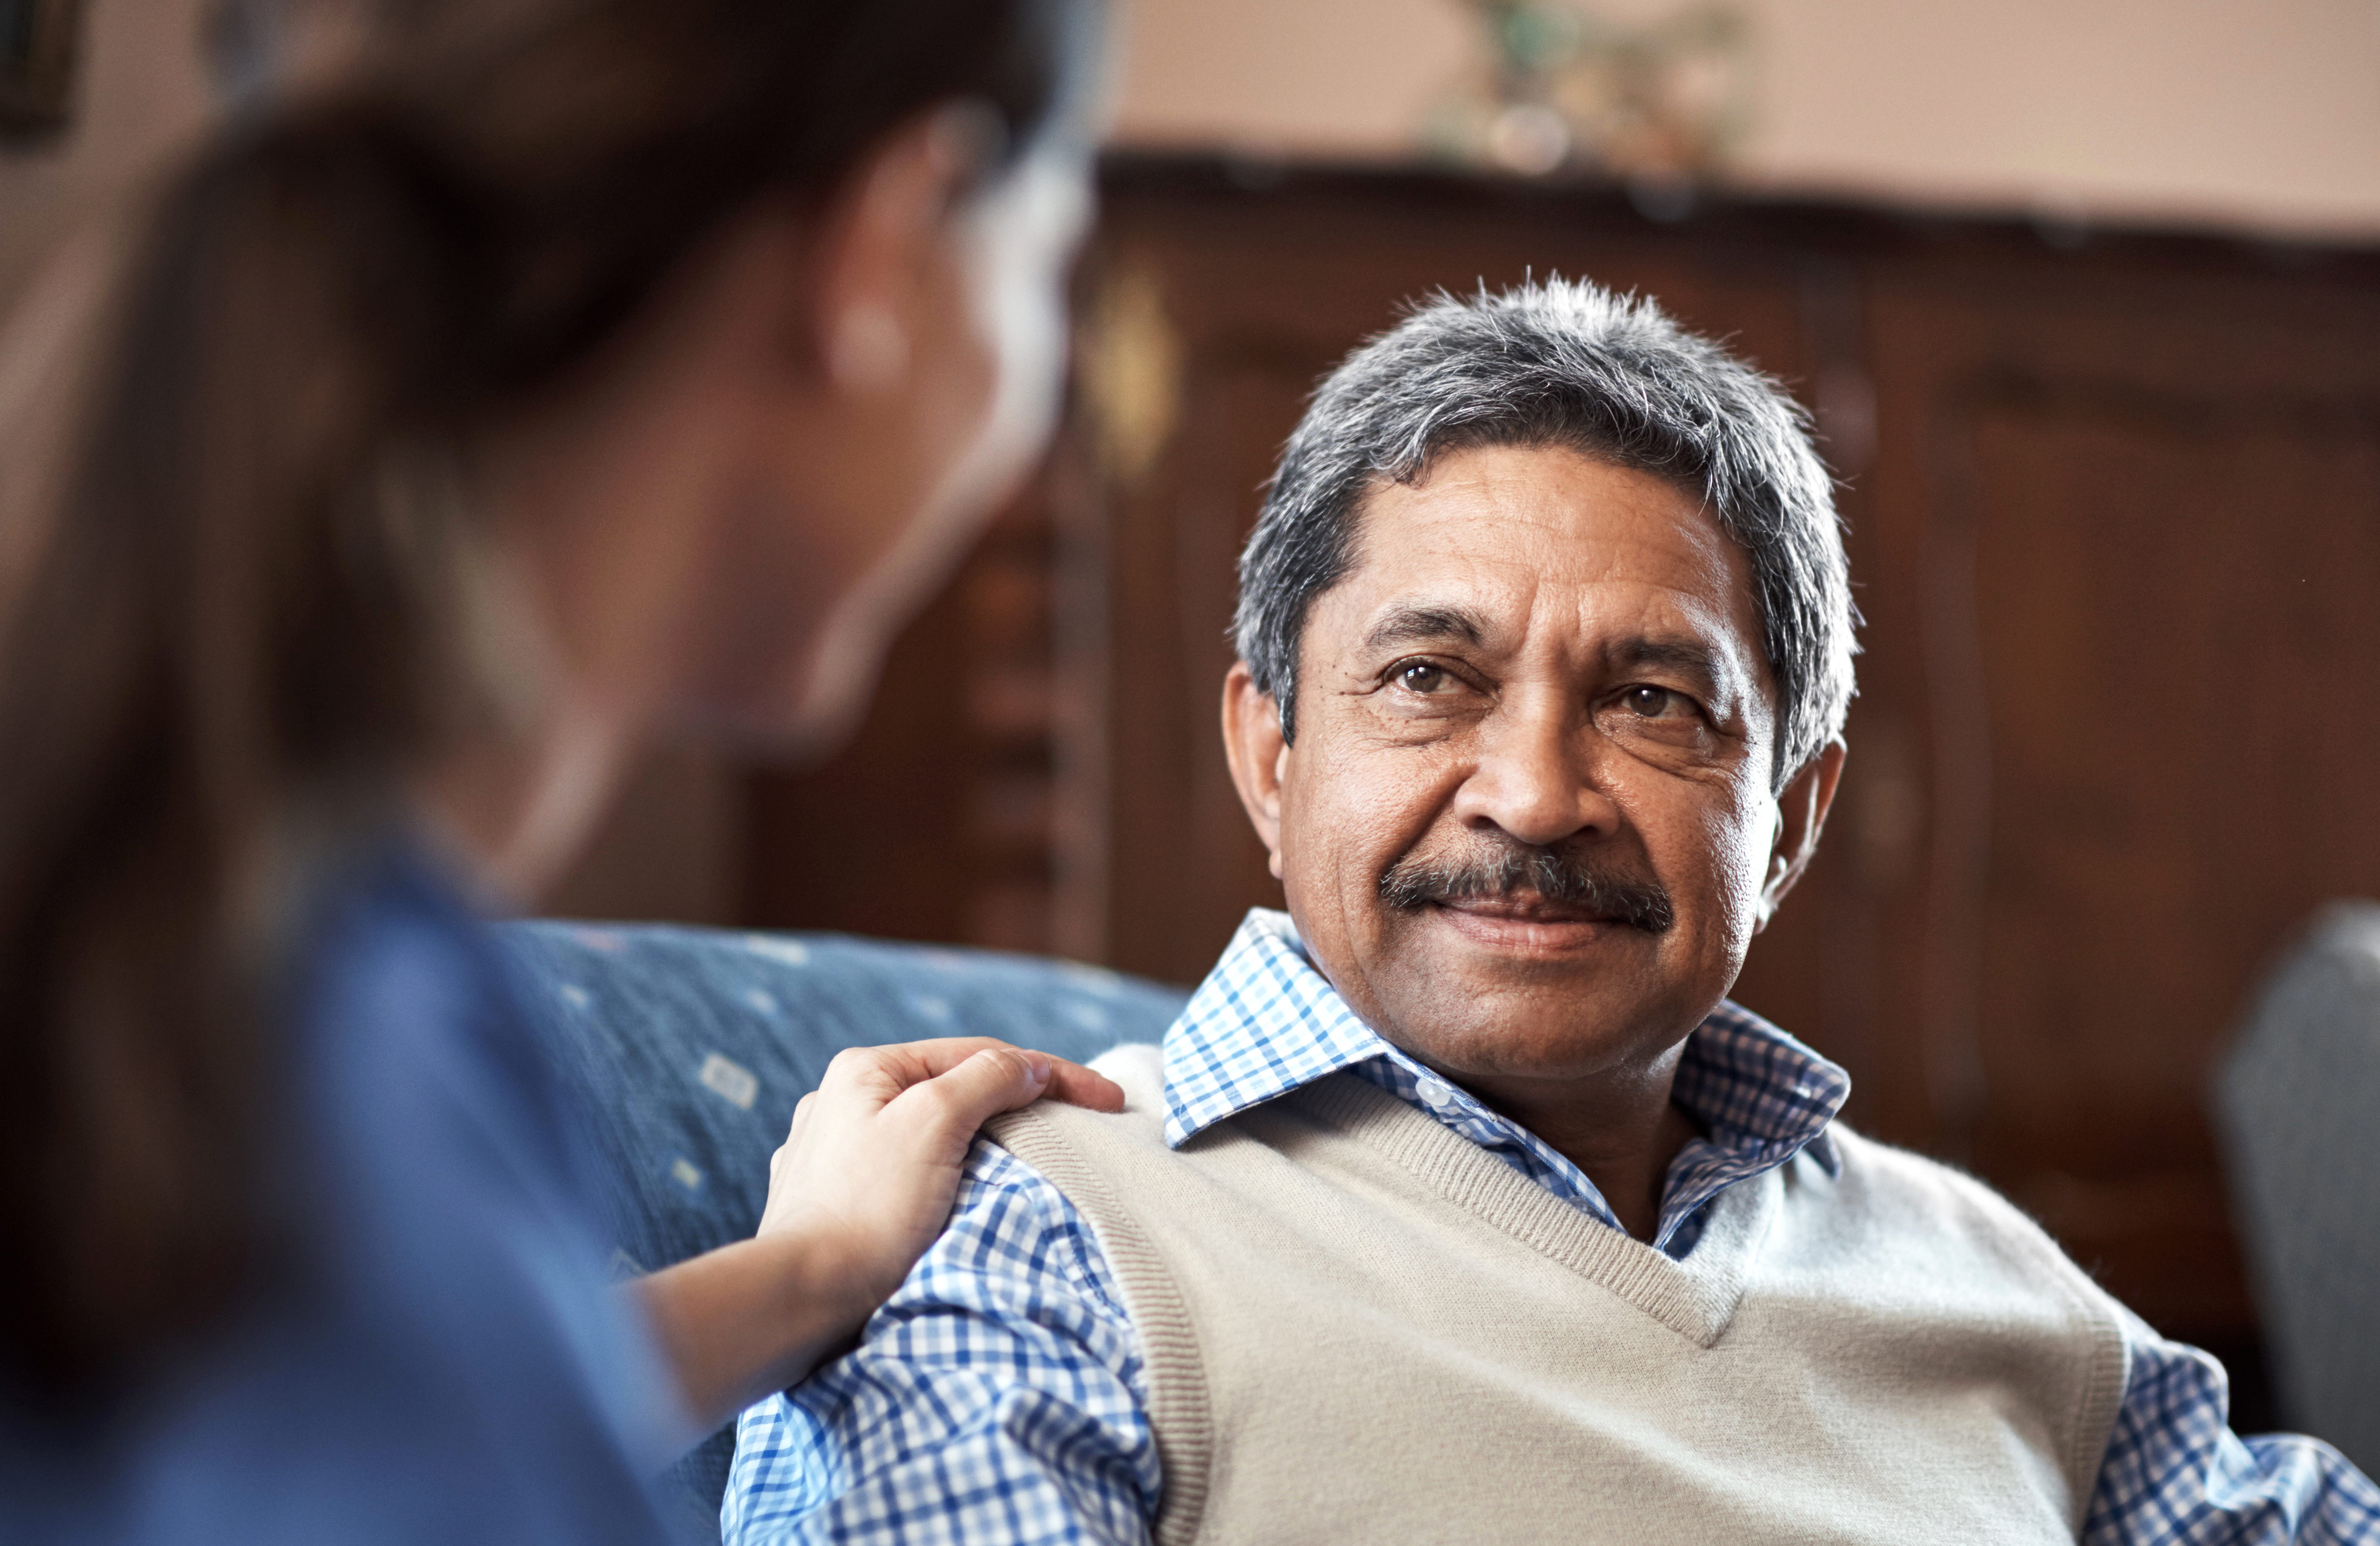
(1521, 1036)
(1568, 1005)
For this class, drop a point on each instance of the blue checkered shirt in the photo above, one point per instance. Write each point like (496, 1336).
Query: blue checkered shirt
(1001, 1395)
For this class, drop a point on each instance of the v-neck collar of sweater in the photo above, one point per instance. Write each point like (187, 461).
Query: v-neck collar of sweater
(1695, 1298)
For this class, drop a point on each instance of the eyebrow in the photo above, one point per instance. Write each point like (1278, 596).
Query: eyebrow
(1691, 657)
(1419, 625)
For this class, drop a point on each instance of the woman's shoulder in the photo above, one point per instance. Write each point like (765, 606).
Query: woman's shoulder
(400, 994)
(454, 1178)
(436, 1354)
(388, 935)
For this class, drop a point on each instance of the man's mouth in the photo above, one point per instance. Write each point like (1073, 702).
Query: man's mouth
(1529, 907)
(1518, 888)
(1528, 925)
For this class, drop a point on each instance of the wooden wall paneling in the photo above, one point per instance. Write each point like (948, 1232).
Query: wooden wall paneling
(2139, 511)
(937, 821)
(1816, 969)
(38, 42)
(1012, 718)
(672, 845)
(1183, 863)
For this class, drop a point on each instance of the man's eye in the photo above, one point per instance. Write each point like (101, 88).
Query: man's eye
(1423, 677)
(1654, 702)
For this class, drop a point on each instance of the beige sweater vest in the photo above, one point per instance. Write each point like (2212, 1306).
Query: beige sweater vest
(1360, 1327)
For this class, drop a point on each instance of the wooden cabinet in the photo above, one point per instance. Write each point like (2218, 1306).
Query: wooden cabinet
(2115, 506)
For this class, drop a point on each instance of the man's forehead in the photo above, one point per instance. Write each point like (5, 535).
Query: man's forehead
(1499, 528)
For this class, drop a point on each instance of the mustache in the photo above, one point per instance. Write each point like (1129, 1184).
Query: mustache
(1566, 877)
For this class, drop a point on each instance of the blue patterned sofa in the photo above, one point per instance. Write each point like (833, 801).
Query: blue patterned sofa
(689, 1047)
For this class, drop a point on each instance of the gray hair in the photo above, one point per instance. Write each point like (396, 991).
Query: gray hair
(1567, 364)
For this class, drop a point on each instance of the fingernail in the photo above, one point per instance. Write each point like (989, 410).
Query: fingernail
(1038, 1063)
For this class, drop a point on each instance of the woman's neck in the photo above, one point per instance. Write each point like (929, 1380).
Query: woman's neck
(514, 812)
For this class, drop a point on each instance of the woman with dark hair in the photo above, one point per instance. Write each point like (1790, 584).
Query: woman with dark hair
(556, 372)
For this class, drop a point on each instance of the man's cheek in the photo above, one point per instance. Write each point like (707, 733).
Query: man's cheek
(1731, 850)
(1360, 809)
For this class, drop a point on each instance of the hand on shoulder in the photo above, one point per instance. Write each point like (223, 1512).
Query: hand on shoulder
(870, 1167)
(862, 1184)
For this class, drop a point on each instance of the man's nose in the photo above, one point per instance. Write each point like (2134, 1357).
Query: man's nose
(1535, 776)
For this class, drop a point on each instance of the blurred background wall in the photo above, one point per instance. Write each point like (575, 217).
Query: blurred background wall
(2229, 110)
(2260, 116)
(2086, 299)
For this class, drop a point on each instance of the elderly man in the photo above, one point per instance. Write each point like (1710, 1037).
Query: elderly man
(1460, 1204)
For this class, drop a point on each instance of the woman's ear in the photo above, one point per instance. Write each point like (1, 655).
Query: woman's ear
(1256, 748)
(878, 245)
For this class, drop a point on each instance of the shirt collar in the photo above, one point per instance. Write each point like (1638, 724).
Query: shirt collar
(1266, 1021)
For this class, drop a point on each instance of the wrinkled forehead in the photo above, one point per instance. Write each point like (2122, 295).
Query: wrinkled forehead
(1547, 547)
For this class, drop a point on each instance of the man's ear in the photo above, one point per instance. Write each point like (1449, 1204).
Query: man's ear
(1255, 747)
(1801, 815)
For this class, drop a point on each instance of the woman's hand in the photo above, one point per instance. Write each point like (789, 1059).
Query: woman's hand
(861, 1186)
(872, 1163)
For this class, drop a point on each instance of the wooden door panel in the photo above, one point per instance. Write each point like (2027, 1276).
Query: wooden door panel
(2129, 533)
(2149, 699)
(2168, 720)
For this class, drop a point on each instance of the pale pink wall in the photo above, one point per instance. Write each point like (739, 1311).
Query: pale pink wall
(2264, 113)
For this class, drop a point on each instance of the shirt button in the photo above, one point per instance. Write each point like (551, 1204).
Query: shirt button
(1436, 1095)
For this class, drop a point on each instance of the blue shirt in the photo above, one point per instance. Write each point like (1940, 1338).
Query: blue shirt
(444, 1362)
(1001, 1395)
